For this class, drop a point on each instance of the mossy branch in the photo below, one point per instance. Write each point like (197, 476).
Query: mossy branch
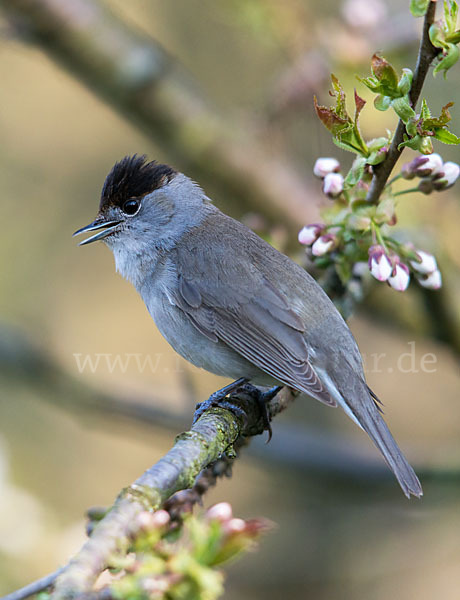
(214, 434)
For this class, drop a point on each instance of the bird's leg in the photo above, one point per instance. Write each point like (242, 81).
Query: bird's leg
(262, 399)
(218, 398)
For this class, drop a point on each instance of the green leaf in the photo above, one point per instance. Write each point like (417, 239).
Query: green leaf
(418, 142)
(344, 129)
(330, 118)
(355, 173)
(419, 7)
(426, 145)
(430, 122)
(382, 102)
(378, 143)
(383, 80)
(450, 57)
(384, 72)
(446, 137)
(444, 36)
(403, 109)
(405, 82)
(344, 145)
(453, 38)
(436, 34)
(339, 94)
(425, 112)
(359, 105)
(450, 16)
(376, 157)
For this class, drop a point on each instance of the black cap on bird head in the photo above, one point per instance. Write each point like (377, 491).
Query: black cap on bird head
(133, 177)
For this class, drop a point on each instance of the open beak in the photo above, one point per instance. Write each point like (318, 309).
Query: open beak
(104, 228)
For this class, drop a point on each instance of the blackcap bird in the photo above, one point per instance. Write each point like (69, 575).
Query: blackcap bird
(230, 303)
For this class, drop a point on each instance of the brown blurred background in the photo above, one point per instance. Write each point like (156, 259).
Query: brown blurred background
(344, 530)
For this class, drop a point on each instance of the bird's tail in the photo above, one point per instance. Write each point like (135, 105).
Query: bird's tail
(373, 424)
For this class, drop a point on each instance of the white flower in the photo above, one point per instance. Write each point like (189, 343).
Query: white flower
(333, 185)
(323, 245)
(324, 166)
(447, 177)
(379, 263)
(310, 233)
(399, 279)
(432, 282)
(427, 263)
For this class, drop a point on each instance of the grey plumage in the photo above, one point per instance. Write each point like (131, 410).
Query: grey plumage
(230, 303)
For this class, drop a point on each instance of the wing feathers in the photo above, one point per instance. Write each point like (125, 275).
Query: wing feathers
(264, 332)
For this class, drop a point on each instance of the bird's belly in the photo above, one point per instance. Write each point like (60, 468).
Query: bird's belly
(191, 344)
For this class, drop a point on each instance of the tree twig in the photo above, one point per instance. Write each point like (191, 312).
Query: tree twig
(35, 587)
(426, 54)
(211, 436)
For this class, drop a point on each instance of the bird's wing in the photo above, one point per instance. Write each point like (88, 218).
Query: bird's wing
(230, 299)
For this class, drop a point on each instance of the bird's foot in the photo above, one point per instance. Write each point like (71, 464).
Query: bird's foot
(262, 399)
(221, 398)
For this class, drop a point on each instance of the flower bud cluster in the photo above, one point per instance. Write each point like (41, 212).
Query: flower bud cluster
(390, 268)
(318, 239)
(237, 534)
(435, 174)
(427, 273)
(328, 169)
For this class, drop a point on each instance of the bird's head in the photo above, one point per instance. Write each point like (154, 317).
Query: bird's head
(144, 204)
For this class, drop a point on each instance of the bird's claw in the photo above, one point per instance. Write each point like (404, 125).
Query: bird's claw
(222, 398)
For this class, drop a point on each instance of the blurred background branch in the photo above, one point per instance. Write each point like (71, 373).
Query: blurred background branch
(130, 71)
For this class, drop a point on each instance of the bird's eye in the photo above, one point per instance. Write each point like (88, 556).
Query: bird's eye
(130, 207)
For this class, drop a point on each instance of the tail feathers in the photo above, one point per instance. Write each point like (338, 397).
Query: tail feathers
(374, 425)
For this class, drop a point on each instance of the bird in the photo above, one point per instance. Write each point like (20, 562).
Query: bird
(230, 303)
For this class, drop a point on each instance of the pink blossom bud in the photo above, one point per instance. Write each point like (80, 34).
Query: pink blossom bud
(400, 277)
(447, 177)
(427, 263)
(379, 263)
(433, 281)
(220, 512)
(324, 166)
(324, 244)
(161, 518)
(333, 185)
(235, 526)
(148, 521)
(407, 171)
(310, 233)
(429, 167)
(425, 186)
